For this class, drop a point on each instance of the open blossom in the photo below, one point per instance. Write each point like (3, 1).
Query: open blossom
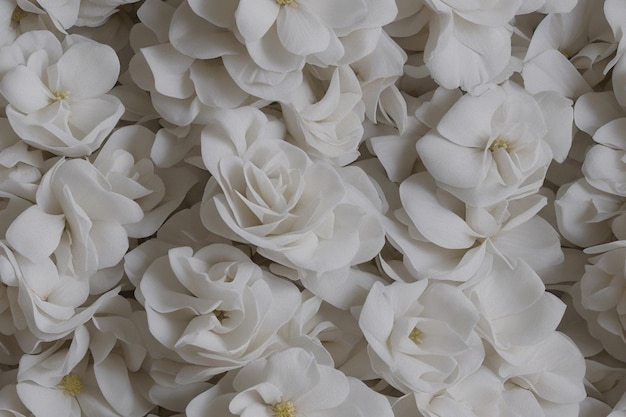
(236, 308)
(440, 237)
(58, 98)
(289, 383)
(600, 297)
(265, 192)
(421, 336)
(78, 217)
(497, 145)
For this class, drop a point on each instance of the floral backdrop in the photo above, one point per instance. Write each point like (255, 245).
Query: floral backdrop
(312, 208)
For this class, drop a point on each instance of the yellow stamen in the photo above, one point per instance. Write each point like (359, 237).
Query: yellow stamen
(60, 95)
(284, 409)
(497, 144)
(416, 336)
(287, 2)
(71, 384)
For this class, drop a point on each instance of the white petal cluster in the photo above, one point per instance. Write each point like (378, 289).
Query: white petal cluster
(312, 208)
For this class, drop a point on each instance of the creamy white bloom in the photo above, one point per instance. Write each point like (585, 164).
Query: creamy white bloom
(516, 311)
(497, 145)
(17, 17)
(440, 237)
(421, 336)
(57, 92)
(568, 52)
(125, 163)
(97, 372)
(604, 166)
(478, 395)
(44, 305)
(236, 308)
(469, 44)
(600, 297)
(587, 216)
(289, 383)
(326, 119)
(20, 165)
(265, 192)
(78, 217)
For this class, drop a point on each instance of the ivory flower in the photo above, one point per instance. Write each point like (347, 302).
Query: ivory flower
(497, 145)
(264, 192)
(237, 308)
(288, 384)
(421, 336)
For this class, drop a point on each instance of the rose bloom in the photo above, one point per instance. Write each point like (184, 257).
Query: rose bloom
(266, 192)
(215, 308)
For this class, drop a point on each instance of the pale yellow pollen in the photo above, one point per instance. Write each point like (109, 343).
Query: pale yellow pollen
(287, 2)
(60, 95)
(499, 144)
(416, 336)
(71, 384)
(284, 409)
(18, 15)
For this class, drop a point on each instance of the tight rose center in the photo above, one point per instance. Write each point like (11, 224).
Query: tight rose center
(416, 336)
(71, 384)
(284, 409)
(499, 144)
(220, 315)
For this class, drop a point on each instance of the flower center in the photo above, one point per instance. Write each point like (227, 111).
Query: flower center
(284, 409)
(60, 95)
(220, 315)
(71, 384)
(286, 2)
(18, 15)
(416, 336)
(498, 144)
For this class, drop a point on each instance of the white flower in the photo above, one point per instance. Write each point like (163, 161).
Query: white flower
(498, 145)
(57, 92)
(78, 217)
(265, 192)
(515, 309)
(125, 162)
(97, 372)
(421, 337)
(20, 165)
(600, 297)
(469, 44)
(215, 308)
(328, 127)
(587, 216)
(289, 384)
(442, 238)
(604, 166)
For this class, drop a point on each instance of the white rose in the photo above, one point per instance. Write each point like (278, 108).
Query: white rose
(421, 336)
(266, 192)
(237, 308)
(61, 105)
(289, 383)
